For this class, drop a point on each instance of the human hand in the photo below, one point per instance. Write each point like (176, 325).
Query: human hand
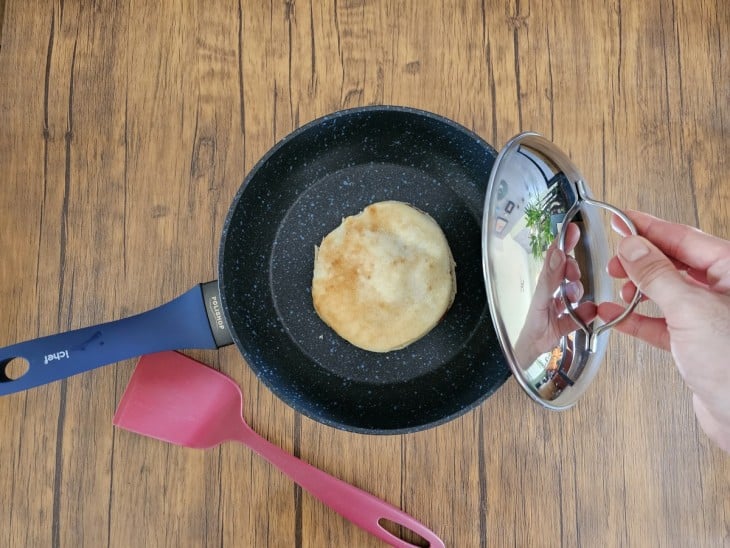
(547, 319)
(687, 274)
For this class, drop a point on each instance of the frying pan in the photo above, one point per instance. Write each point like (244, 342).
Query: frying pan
(298, 192)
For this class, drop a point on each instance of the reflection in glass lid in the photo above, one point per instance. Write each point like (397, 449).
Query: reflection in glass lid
(543, 312)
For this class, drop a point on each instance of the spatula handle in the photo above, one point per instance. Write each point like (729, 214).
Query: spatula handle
(361, 508)
(181, 323)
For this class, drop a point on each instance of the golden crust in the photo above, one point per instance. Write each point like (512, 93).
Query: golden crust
(384, 278)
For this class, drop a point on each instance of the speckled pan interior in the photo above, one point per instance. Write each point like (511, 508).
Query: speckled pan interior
(299, 192)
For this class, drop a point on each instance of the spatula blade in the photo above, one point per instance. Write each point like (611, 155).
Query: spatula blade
(176, 399)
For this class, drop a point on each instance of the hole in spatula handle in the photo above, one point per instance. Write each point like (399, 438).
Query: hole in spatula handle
(14, 368)
(403, 533)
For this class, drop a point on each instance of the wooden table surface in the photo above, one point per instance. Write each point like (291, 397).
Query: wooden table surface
(127, 127)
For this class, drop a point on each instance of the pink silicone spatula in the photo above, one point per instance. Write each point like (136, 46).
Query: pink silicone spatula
(174, 398)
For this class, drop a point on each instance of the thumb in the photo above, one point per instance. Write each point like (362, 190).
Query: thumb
(652, 272)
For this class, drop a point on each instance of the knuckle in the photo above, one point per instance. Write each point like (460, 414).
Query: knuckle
(652, 272)
(718, 275)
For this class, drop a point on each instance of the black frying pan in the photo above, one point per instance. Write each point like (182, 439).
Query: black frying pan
(300, 191)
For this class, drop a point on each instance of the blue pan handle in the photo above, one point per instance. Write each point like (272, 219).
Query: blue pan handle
(193, 320)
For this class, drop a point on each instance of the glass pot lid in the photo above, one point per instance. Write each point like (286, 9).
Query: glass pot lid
(537, 201)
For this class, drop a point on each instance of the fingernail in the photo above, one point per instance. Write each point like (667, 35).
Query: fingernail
(632, 248)
(574, 291)
(556, 259)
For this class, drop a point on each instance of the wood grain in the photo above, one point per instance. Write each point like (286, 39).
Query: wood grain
(127, 128)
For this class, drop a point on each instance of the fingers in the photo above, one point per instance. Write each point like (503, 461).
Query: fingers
(628, 291)
(653, 273)
(684, 243)
(573, 291)
(572, 237)
(551, 275)
(718, 275)
(572, 270)
(558, 267)
(616, 270)
(566, 324)
(618, 224)
(651, 330)
(629, 288)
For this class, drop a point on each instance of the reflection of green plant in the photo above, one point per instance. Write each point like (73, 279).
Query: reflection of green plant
(537, 219)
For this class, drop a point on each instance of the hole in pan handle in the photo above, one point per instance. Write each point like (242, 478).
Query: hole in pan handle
(584, 199)
(192, 320)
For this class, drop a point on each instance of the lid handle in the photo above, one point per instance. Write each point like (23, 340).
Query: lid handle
(583, 198)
